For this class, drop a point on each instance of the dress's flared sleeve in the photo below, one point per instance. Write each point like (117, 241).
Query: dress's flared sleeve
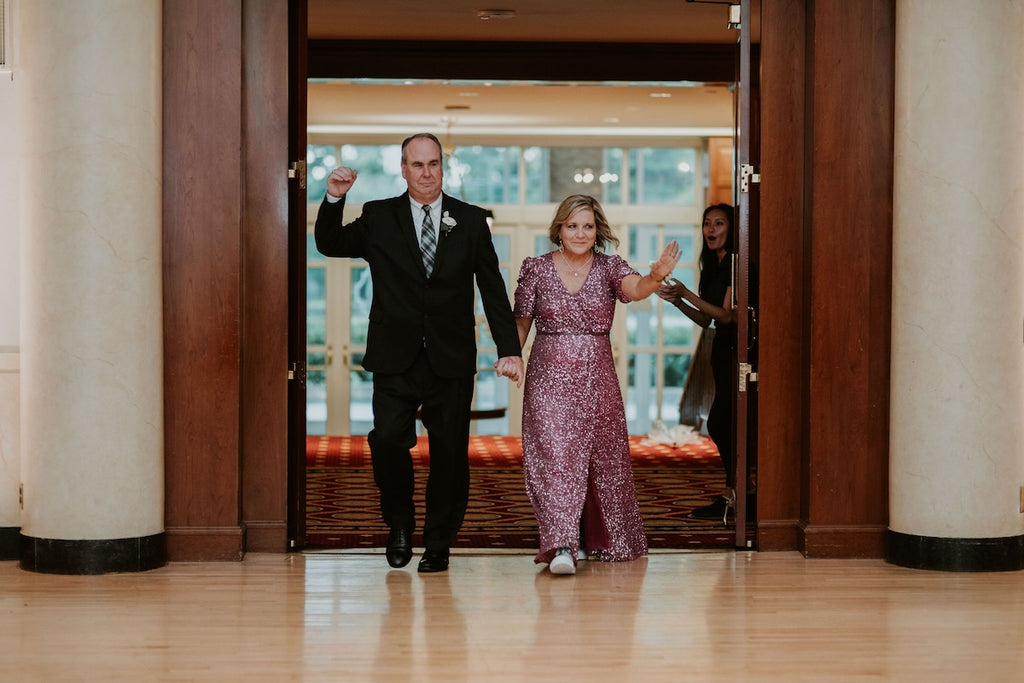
(526, 289)
(618, 269)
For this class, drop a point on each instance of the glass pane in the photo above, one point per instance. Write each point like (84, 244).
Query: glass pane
(503, 247)
(686, 276)
(677, 365)
(362, 293)
(643, 244)
(611, 178)
(641, 393)
(646, 242)
(491, 392)
(642, 322)
(576, 170)
(483, 335)
(320, 161)
(360, 409)
(683, 234)
(662, 175)
(542, 245)
(316, 402)
(537, 161)
(380, 171)
(316, 306)
(676, 328)
(478, 307)
(484, 175)
(311, 253)
(676, 368)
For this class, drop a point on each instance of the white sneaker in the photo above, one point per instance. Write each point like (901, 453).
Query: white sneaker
(562, 562)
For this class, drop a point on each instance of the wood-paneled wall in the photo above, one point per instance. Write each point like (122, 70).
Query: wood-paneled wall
(225, 277)
(826, 241)
(781, 351)
(266, 159)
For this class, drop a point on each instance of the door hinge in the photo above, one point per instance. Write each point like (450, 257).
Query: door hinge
(297, 371)
(298, 170)
(734, 17)
(747, 176)
(746, 374)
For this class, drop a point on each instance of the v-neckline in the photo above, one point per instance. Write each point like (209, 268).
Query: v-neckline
(583, 282)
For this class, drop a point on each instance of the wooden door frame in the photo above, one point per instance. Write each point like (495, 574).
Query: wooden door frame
(745, 395)
(298, 24)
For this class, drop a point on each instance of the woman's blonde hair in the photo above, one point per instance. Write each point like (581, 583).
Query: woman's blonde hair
(569, 207)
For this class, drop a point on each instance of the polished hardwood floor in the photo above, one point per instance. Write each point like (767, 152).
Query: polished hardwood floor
(673, 616)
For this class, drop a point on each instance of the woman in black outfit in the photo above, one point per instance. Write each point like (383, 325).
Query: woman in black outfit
(714, 304)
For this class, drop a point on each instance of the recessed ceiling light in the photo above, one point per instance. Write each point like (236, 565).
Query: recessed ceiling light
(661, 95)
(488, 14)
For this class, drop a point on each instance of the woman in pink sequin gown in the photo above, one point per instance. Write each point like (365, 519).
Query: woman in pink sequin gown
(575, 445)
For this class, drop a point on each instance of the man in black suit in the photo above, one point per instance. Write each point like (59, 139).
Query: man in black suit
(421, 341)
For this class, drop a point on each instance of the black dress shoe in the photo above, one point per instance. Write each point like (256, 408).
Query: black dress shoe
(399, 550)
(433, 561)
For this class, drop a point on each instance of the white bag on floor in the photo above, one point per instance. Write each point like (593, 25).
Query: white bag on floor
(677, 436)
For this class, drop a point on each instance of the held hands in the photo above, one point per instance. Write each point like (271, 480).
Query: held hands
(511, 367)
(340, 181)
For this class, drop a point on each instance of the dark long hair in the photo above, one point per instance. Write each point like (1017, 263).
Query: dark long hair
(709, 259)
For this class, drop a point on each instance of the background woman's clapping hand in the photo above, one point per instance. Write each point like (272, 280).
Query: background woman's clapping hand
(672, 291)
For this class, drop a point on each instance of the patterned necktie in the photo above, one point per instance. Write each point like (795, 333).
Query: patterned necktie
(428, 241)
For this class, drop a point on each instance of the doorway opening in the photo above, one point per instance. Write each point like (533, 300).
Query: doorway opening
(368, 117)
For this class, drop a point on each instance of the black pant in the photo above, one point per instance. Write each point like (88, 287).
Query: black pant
(445, 407)
(721, 419)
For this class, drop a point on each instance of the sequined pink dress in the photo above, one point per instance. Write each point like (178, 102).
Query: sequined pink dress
(575, 444)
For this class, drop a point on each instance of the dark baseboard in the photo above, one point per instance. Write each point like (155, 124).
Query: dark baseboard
(56, 556)
(266, 536)
(205, 544)
(955, 554)
(837, 541)
(9, 542)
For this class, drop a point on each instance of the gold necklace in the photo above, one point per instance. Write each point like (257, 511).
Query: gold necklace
(576, 272)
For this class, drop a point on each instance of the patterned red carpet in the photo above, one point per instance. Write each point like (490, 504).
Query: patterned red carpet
(342, 507)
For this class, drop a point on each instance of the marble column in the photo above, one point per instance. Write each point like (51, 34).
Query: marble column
(957, 418)
(91, 352)
(10, 315)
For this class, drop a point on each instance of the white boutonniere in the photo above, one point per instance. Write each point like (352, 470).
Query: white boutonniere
(447, 223)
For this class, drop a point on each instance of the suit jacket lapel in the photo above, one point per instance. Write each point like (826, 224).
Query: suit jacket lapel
(407, 228)
(442, 240)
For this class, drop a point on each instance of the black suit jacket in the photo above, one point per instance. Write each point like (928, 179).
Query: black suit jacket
(410, 311)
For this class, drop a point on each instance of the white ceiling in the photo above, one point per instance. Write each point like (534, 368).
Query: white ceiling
(477, 111)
